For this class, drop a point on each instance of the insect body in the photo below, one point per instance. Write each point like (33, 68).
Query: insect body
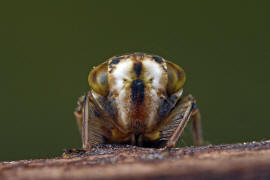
(136, 99)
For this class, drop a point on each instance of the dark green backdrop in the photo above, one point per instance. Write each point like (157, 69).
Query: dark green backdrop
(48, 47)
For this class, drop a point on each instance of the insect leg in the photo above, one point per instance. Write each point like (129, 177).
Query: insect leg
(94, 124)
(85, 142)
(196, 126)
(186, 108)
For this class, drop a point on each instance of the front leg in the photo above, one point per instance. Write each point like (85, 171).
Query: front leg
(181, 114)
(94, 123)
(82, 116)
(85, 122)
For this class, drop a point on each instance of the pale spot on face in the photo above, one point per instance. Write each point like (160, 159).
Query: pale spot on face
(120, 73)
(153, 71)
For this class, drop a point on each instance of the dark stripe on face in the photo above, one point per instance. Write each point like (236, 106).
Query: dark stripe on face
(137, 91)
(137, 68)
(114, 61)
(158, 59)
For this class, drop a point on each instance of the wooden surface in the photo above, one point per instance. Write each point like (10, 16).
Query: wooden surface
(236, 161)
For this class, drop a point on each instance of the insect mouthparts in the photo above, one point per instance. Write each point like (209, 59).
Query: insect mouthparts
(137, 91)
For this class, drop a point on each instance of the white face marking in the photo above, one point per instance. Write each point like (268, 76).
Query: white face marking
(153, 70)
(123, 107)
(121, 71)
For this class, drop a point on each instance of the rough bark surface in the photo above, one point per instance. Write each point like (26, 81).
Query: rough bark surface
(235, 161)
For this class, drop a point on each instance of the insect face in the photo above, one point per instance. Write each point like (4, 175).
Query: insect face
(136, 84)
(133, 96)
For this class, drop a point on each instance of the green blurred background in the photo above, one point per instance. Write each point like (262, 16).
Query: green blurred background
(48, 47)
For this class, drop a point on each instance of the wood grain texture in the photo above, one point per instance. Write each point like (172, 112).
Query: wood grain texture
(235, 161)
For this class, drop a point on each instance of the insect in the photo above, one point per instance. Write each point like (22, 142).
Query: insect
(136, 99)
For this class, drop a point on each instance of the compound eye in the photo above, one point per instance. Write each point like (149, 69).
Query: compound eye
(176, 77)
(98, 79)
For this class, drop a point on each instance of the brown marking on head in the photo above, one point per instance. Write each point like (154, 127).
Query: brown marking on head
(138, 115)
